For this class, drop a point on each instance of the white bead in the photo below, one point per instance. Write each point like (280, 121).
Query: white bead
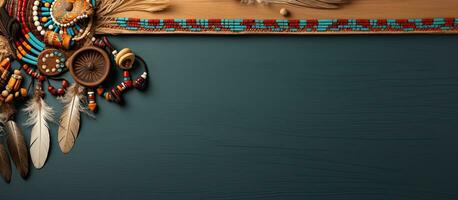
(39, 28)
(93, 39)
(61, 32)
(42, 32)
(35, 8)
(36, 23)
(51, 26)
(35, 18)
(36, 3)
(284, 12)
(35, 13)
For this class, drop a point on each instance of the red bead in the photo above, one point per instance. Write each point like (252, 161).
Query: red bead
(65, 83)
(53, 92)
(126, 73)
(50, 88)
(60, 91)
(25, 67)
(41, 78)
(128, 83)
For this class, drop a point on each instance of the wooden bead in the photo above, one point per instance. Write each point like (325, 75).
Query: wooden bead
(23, 92)
(9, 99)
(5, 93)
(284, 12)
(125, 58)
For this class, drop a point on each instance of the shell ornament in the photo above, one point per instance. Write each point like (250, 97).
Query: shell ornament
(49, 39)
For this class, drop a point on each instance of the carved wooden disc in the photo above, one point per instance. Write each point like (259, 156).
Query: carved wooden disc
(51, 62)
(89, 66)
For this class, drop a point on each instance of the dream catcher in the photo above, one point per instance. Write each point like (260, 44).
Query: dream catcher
(47, 39)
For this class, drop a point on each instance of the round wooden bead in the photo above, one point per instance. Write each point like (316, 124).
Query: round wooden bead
(284, 12)
(5, 93)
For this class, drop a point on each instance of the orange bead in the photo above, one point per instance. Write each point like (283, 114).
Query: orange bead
(92, 106)
(47, 5)
(100, 91)
(44, 19)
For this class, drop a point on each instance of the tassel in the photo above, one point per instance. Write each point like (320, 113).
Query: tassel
(39, 114)
(70, 118)
(107, 9)
(5, 165)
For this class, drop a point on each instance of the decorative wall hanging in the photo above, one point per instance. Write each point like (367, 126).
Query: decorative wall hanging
(48, 39)
(51, 38)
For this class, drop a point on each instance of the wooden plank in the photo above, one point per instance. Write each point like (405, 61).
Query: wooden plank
(357, 9)
(229, 9)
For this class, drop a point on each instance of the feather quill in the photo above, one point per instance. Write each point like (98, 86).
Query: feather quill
(326, 4)
(39, 114)
(5, 165)
(70, 118)
(17, 147)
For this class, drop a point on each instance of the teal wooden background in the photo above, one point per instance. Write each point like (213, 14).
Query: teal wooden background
(270, 117)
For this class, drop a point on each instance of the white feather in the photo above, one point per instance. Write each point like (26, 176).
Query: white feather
(70, 118)
(39, 114)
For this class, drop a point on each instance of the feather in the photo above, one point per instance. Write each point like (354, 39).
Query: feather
(17, 147)
(5, 165)
(107, 9)
(326, 4)
(39, 114)
(70, 118)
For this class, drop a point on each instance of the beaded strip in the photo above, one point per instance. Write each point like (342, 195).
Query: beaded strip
(284, 26)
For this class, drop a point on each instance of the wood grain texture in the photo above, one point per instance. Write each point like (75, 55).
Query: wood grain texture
(228, 9)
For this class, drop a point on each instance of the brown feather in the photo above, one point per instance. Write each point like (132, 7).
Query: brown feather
(17, 147)
(5, 165)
